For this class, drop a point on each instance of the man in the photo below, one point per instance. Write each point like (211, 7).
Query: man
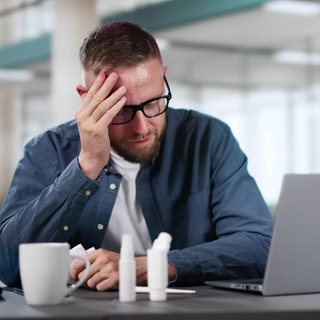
(130, 164)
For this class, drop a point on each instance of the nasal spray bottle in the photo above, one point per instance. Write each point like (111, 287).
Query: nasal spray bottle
(158, 267)
(127, 270)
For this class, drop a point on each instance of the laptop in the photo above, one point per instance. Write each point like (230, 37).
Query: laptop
(293, 265)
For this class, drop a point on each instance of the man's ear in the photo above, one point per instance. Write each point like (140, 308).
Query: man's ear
(82, 91)
(164, 70)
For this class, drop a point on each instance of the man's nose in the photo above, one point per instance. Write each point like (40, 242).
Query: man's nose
(140, 123)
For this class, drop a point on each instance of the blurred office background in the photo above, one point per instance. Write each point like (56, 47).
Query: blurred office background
(251, 63)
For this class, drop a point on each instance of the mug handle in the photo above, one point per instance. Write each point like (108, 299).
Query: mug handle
(76, 285)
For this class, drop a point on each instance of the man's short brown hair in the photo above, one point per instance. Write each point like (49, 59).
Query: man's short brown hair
(117, 44)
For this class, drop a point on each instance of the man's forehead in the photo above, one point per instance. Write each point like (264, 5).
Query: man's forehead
(140, 75)
(126, 77)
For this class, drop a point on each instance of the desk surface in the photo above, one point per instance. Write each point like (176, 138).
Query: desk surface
(207, 303)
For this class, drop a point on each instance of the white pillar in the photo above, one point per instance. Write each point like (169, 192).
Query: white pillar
(74, 19)
(10, 137)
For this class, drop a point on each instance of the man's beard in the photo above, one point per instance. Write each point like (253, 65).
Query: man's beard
(140, 155)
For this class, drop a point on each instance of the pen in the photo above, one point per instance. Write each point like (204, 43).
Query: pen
(168, 290)
(18, 291)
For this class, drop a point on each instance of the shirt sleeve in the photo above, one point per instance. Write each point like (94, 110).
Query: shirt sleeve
(44, 202)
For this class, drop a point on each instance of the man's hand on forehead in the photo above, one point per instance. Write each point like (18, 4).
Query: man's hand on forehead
(100, 104)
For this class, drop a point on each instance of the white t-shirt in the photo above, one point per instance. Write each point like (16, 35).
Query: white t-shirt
(126, 214)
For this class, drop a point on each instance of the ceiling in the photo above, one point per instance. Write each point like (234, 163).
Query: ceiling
(237, 50)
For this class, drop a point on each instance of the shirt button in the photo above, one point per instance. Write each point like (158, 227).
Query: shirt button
(65, 228)
(87, 193)
(100, 226)
(113, 186)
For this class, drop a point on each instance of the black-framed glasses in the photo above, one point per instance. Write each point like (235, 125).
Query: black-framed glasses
(150, 108)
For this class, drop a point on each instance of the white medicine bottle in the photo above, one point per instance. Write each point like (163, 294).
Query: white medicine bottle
(127, 270)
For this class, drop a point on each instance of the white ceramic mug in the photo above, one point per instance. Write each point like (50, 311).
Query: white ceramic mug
(44, 270)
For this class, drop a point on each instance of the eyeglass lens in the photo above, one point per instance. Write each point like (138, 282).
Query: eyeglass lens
(151, 108)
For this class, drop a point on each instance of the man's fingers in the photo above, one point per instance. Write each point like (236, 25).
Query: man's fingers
(99, 91)
(110, 106)
(104, 273)
(102, 282)
(99, 81)
(101, 104)
(76, 267)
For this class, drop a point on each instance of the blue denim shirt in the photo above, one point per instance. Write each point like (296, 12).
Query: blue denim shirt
(197, 189)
